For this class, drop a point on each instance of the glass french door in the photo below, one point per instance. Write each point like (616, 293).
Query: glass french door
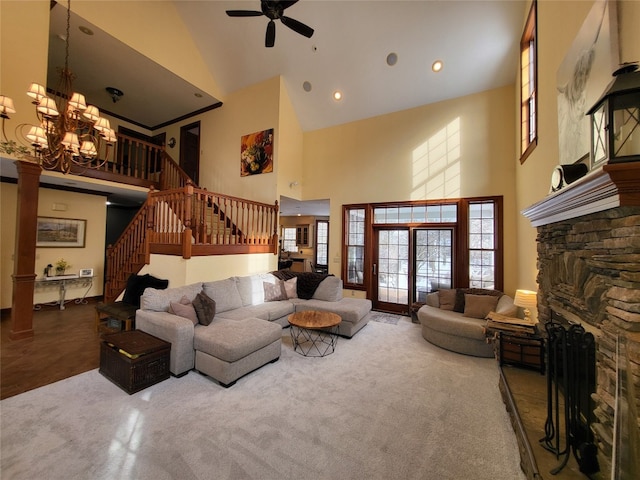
(433, 261)
(409, 264)
(391, 270)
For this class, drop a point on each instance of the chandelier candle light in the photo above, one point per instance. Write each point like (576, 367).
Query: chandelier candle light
(526, 299)
(71, 133)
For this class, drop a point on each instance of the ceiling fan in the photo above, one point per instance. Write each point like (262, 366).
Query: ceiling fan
(274, 10)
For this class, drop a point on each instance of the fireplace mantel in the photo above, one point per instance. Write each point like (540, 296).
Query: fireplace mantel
(613, 185)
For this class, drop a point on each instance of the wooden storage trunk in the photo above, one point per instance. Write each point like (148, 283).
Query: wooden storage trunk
(134, 360)
(522, 351)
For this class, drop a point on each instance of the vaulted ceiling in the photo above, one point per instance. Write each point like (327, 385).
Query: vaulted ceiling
(351, 50)
(477, 41)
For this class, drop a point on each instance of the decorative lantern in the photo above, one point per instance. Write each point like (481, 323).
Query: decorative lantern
(615, 119)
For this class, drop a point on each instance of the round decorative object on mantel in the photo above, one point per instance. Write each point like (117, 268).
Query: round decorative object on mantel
(563, 175)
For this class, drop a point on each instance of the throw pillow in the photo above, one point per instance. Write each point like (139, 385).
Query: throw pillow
(205, 308)
(274, 291)
(291, 287)
(461, 292)
(184, 310)
(459, 303)
(479, 306)
(447, 298)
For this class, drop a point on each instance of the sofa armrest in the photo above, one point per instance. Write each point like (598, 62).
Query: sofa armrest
(173, 329)
(506, 306)
(433, 300)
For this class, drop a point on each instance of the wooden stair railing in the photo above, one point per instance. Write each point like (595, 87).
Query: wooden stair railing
(135, 162)
(193, 221)
(128, 255)
(190, 221)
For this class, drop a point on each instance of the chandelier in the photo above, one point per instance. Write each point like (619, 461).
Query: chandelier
(70, 133)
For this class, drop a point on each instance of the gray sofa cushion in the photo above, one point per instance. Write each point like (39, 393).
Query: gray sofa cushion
(251, 289)
(349, 309)
(453, 323)
(230, 340)
(225, 293)
(159, 300)
(329, 290)
(266, 311)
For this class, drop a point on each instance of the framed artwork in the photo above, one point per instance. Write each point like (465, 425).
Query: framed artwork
(582, 78)
(256, 153)
(60, 232)
(86, 272)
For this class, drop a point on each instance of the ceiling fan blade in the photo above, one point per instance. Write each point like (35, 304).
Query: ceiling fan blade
(286, 4)
(270, 38)
(297, 26)
(244, 13)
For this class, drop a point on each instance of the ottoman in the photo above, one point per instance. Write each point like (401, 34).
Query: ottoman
(134, 360)
(229, 349)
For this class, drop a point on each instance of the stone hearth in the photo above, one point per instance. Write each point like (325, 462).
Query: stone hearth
(588, 245)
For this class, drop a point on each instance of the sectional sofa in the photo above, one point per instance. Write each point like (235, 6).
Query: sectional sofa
(246, 329)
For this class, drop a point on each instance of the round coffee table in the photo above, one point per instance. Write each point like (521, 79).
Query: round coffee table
(314, 334)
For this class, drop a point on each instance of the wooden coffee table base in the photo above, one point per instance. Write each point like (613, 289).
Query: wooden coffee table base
(314, 334)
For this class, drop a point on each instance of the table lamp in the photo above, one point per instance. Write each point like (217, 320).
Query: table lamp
(526, 299)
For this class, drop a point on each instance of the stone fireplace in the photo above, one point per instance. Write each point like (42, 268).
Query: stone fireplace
(588, 244)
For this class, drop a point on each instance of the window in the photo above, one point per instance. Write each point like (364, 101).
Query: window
(482, 245)
(528, 86)
(452, 244)
(354, 245)
(289, 239)
(322, 243)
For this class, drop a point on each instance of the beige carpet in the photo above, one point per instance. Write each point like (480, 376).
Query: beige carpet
(385, 405)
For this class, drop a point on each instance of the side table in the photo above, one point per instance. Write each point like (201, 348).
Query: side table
(134, 360)
(522, 351)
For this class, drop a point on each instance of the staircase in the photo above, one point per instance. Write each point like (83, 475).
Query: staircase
(185, 220)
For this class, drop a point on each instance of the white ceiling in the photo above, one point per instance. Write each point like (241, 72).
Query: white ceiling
(476, 39)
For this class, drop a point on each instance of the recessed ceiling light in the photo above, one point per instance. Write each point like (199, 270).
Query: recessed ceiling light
(306, 86)
(197, 94)
(337, 95)
(437, 66)
(86, 30)
(392, 59)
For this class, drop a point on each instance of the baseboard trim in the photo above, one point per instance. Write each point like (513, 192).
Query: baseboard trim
(527, 459)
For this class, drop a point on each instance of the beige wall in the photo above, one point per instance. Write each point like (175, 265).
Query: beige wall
(558, 25)
(25, 24)
(247, 111)
(205, 269)
(289, 148)
(91, 208)
(457, 148)
(461, 147)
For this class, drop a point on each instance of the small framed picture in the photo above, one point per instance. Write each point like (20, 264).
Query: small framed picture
(86, 272)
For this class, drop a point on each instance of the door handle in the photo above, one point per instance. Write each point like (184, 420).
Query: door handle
(375, 269)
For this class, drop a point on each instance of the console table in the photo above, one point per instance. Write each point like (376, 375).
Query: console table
(62, 282)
